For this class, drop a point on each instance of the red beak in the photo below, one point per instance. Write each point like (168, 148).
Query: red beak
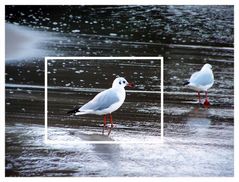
(131, 85)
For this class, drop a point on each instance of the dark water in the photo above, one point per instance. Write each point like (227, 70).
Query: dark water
(198, 141)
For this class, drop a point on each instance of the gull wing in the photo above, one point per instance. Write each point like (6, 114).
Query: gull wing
(202, 78)
(101, 101)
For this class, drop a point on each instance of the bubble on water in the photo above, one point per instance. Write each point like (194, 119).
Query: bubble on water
(113, 34)
(141, 87)
(29, 91)
(55, 29)
(11, 79)
(75, 31)
(154, 78)
(15, 23)
(79, 71)
(108, 41)
(174, 78)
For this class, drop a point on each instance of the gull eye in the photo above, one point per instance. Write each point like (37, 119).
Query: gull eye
(120, 83)
(123, 81)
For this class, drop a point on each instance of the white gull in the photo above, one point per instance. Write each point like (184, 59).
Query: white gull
(105, 102)
(202, 81)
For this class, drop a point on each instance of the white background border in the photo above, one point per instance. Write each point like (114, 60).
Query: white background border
(125, 2)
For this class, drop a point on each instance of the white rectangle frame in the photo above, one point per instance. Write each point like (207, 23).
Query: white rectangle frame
(47, 141)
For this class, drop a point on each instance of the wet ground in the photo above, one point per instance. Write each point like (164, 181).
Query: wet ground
(198, 141)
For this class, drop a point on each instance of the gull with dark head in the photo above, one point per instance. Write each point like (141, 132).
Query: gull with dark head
(105, 102)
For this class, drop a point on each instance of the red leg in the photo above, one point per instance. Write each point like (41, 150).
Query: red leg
(199, 97)
(105, 119)
(111, 122)
(206, 102)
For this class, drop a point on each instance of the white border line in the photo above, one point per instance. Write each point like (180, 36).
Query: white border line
(162, 101)
(46, 106)
(104, 142)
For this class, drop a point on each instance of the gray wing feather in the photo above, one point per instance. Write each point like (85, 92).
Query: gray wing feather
(101, 101)
(203, 79)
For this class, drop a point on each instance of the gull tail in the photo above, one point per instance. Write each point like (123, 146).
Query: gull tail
(76, 111)
(186, 83)
(73, 111)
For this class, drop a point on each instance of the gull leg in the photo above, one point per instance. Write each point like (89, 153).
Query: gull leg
(199, 97)
(206, 102)
(111, 122)
(105, 119)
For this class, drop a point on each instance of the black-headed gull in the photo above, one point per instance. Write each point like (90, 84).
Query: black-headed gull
(202, 81)
(106, 101)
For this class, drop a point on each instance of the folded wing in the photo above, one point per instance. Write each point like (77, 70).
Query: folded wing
(101, 101)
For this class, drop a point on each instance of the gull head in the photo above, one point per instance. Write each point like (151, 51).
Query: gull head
(121, 82)
(207, 66)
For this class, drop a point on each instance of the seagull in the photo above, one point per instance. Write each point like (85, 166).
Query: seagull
(105, 102)
(202, 81)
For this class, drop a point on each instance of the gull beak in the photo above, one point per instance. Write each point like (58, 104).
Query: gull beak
(131, 85)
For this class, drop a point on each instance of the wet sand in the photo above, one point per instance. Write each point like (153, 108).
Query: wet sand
(198, 141)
